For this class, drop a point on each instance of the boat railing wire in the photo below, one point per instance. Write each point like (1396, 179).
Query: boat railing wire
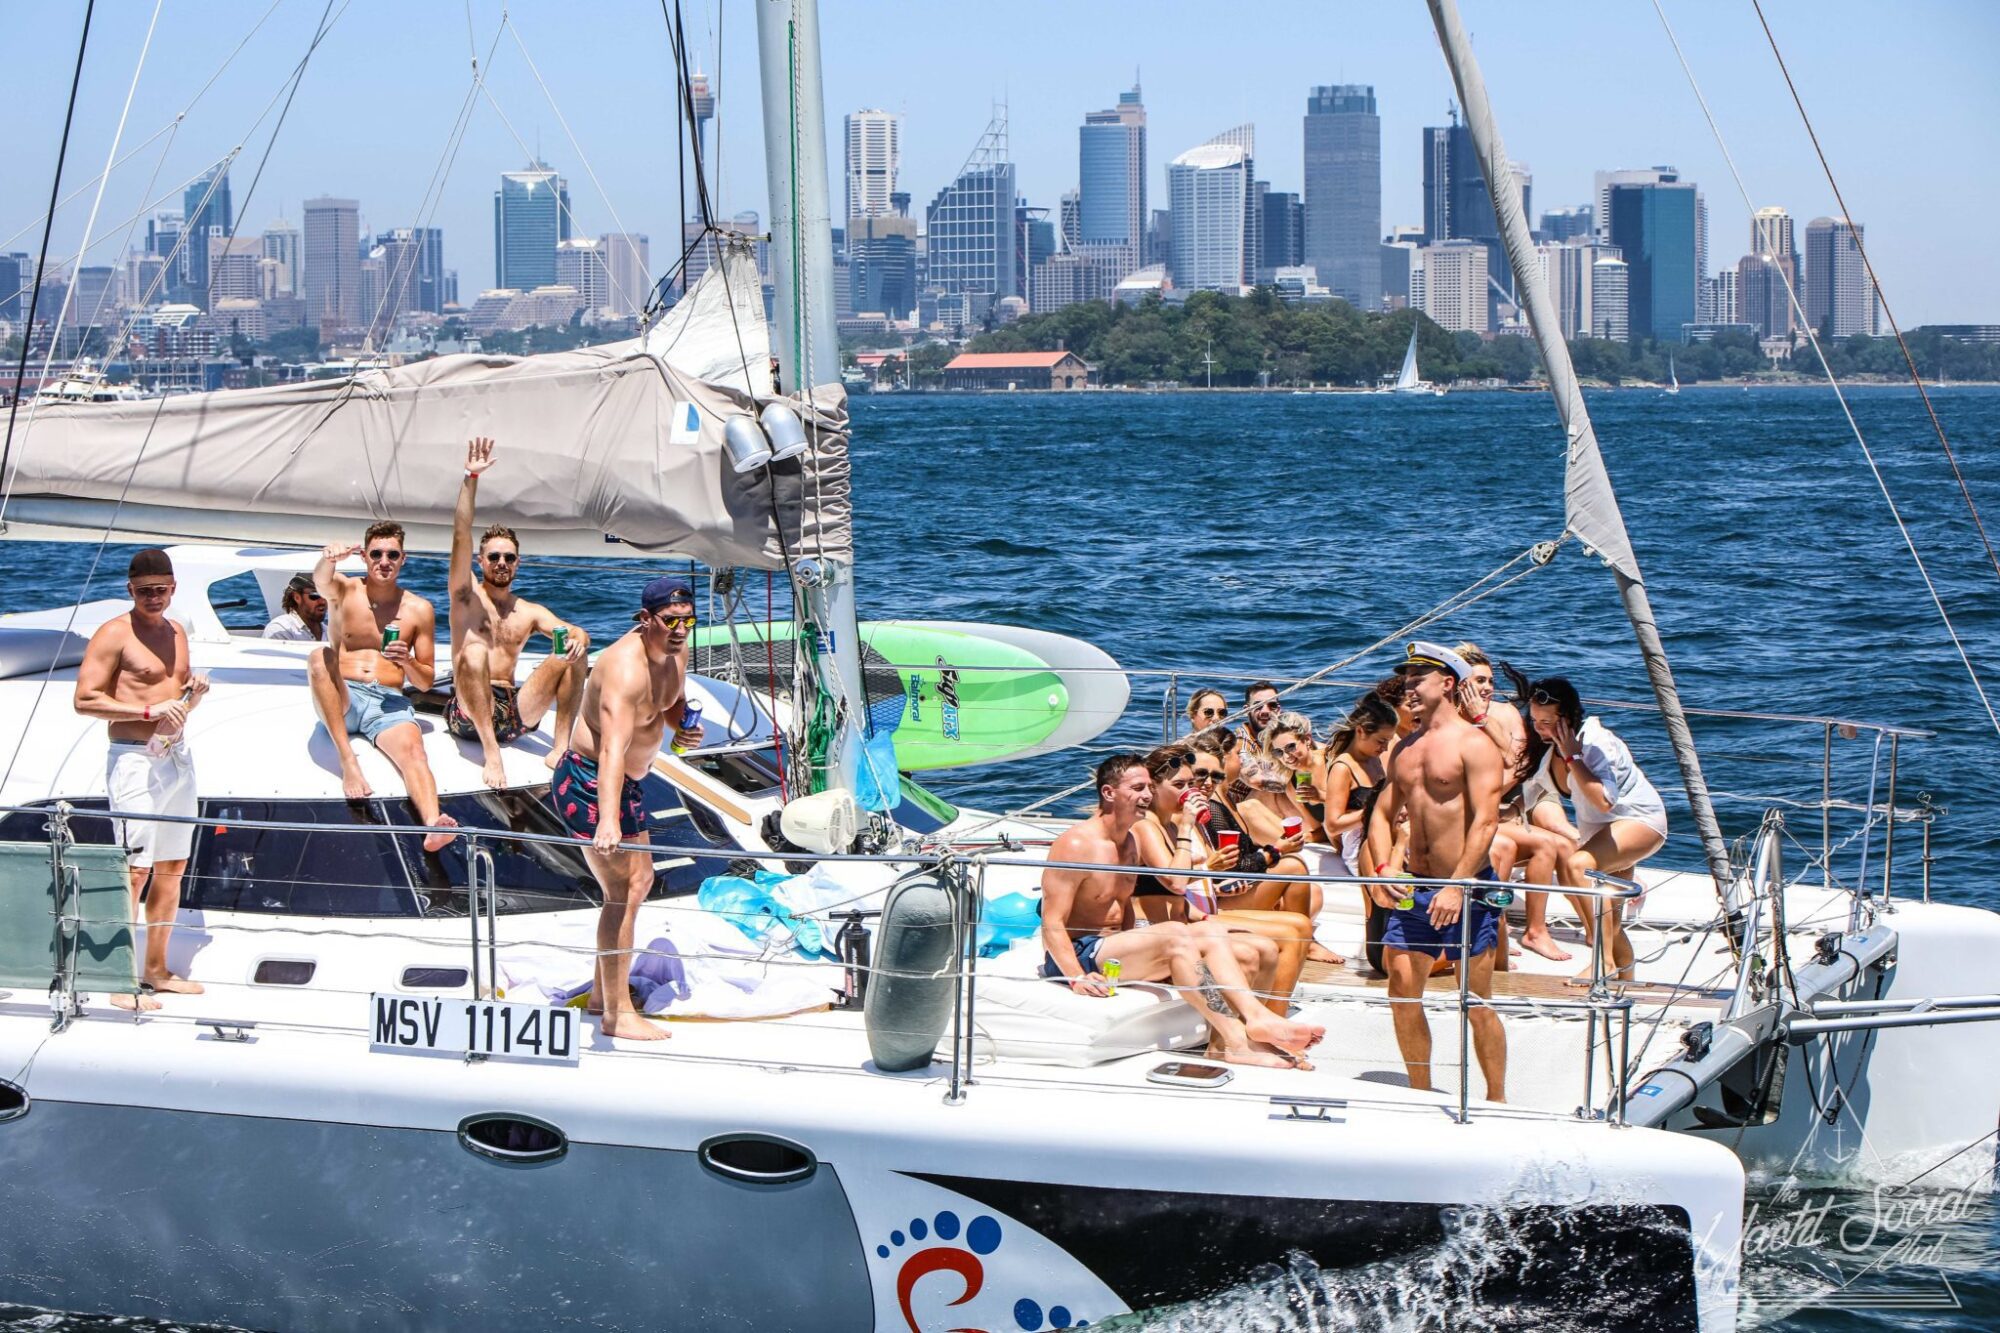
(963, 877)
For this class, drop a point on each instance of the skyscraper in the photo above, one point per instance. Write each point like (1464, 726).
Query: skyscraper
(207, 210)
(1455, 285)
(1281, 239)
(1343, 192)
(1839, 299)
(628, 266)
(281, 244)
(1654, 228)
(580, 264)
(332, 255)
(702, 94)
(1568, 268)
(1111, 175)
(882, 265)
(1771, 233)
(1762, 298)
(1457, 205)
(530, 217)
(1209, 194)
(873, 156)
(969, 228)
(1562, 224)
(1610, 299)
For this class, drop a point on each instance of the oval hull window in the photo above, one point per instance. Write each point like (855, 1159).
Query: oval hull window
(433, 978)
(517, 1140)
(14, 1101)
(758, 1159)
(284, 972)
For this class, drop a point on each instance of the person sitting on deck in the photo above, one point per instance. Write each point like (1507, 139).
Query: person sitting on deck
(379, 637)
(1087, 917)
(304, 617)
(1206, 709)
(1620, 818)
(1177, 835)
(1280, 814)
(489, 626)
(1251, 761)
(1275, 854)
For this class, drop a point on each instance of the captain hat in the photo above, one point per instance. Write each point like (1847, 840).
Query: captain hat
(1423, 653)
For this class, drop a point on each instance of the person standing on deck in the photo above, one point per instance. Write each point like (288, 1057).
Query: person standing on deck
(1448, 776)
(489, 626)
(135, 676)
(357, 679)
(638, 687)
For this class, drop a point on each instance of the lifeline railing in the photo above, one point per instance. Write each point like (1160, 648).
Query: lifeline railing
(965, 881)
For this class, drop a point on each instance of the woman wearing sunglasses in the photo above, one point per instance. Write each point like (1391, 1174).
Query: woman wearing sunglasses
(1620, 818)
(1173, 837)
(1206, 709)
(1263, 811)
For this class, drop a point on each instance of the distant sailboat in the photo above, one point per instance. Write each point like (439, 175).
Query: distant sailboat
(1673, 380)
(1406, 380)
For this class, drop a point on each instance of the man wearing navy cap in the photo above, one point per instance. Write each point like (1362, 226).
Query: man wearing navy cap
(1448, 776)
(636, 690)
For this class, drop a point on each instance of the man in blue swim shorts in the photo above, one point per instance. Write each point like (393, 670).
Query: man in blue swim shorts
(1448, 777)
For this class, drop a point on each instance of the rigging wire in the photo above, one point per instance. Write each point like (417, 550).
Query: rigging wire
(1875, 283)
(1812, 335)
(42, 259)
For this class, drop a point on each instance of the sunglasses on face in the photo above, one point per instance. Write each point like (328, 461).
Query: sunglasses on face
(1264, 707)
(1210, 712)
(501, 557)
(386, 554)
(312, 597)
(154, 590)
(1208, 775)
(673, 622)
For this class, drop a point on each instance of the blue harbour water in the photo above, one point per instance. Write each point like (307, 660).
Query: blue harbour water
(1279, 534)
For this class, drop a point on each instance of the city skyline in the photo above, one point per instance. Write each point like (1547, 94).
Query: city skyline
(1608, 114)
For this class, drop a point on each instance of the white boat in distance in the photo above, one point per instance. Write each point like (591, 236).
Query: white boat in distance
(1406, 381)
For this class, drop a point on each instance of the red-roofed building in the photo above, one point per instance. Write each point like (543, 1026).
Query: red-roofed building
(1017, 370)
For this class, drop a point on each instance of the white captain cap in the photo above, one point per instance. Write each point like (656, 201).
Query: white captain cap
(1424, 655)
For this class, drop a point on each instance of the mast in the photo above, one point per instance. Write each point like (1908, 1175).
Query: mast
(795, 166)
(1591, 506)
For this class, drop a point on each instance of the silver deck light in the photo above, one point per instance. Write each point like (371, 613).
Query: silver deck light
(748, 449)
(787, 432)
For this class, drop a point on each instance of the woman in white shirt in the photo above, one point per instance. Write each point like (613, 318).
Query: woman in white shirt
(1620, 818)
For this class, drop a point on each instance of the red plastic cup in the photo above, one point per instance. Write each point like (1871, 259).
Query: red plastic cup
(1206, 813)
(1228, 837)
(1294, 826)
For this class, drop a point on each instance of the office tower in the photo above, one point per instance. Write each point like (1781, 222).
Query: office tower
(1564, 224)
(580, 264)
(1762, 297)
(1839, 299)
(412, 269)
(1455, 285)
(1604, 180)
(281, 243)
(208, 214)
(1111, 176)
(145, 280)
(14, 269)
(530, 218)
(1610, 299)
(1654, 227)
(1569, 268)
(628, 264)
(872, 158)
(94, 298)
(882, 265)
(1208, 194)
(1771, 233)
(1281, 236)
(1456, 204)
(372, 277)
(235, 268)
(1069, 219)
(969, 228)
(1343, 192)
(1524, 189)
(331, 253)
(1034, 241)
(1726, 309)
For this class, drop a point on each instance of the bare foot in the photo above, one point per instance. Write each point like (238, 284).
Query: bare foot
(1253, 1054)
(493, 773)
(1545, 944)
(141, 1002)
(1584, 978)
(439, 841)
(634, 1027)
(1288, 1036)
(175, 985)
(1319, 953)
(353, 784)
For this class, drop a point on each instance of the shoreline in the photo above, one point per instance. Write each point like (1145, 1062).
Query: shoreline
(1537, 387)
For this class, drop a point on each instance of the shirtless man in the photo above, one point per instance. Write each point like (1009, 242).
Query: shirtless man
(357, 679)
(637, 689)
(1448, 776)
(489, 625)
(1517, 839)
(1087, 916)
(135, 676)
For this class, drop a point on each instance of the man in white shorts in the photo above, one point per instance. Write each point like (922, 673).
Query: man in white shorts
(135, 676)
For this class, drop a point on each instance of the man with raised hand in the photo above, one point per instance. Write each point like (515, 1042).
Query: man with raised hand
(489, 627)
(135, 676)
(1447, 776)
(637, 689)
(378, 637)
(1087, 918)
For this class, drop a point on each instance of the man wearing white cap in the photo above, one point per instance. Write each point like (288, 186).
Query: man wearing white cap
(1448, 777)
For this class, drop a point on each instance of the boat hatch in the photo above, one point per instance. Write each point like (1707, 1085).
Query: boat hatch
(512, 1139)
(433, 978)
(284, 972)
(758, 1159)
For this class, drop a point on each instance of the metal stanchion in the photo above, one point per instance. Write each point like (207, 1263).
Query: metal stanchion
(472, 854)
(62, 987)
(976, 907)
(1464, 1007)
(955, 886)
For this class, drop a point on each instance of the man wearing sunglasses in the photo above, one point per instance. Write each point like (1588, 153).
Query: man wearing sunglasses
(357, 679)
(135, 676)
(489, 627)
(636, 691)
(304, 617)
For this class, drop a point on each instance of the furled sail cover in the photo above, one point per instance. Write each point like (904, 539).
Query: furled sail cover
(601, 449)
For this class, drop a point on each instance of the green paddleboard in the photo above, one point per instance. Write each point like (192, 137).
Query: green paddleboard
(948, 698)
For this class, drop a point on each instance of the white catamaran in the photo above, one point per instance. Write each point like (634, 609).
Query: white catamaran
(385, 1109)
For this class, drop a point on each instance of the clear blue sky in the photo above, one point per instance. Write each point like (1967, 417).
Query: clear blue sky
(1904, 97)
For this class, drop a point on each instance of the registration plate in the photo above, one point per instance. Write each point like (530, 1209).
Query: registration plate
(428, 1025)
